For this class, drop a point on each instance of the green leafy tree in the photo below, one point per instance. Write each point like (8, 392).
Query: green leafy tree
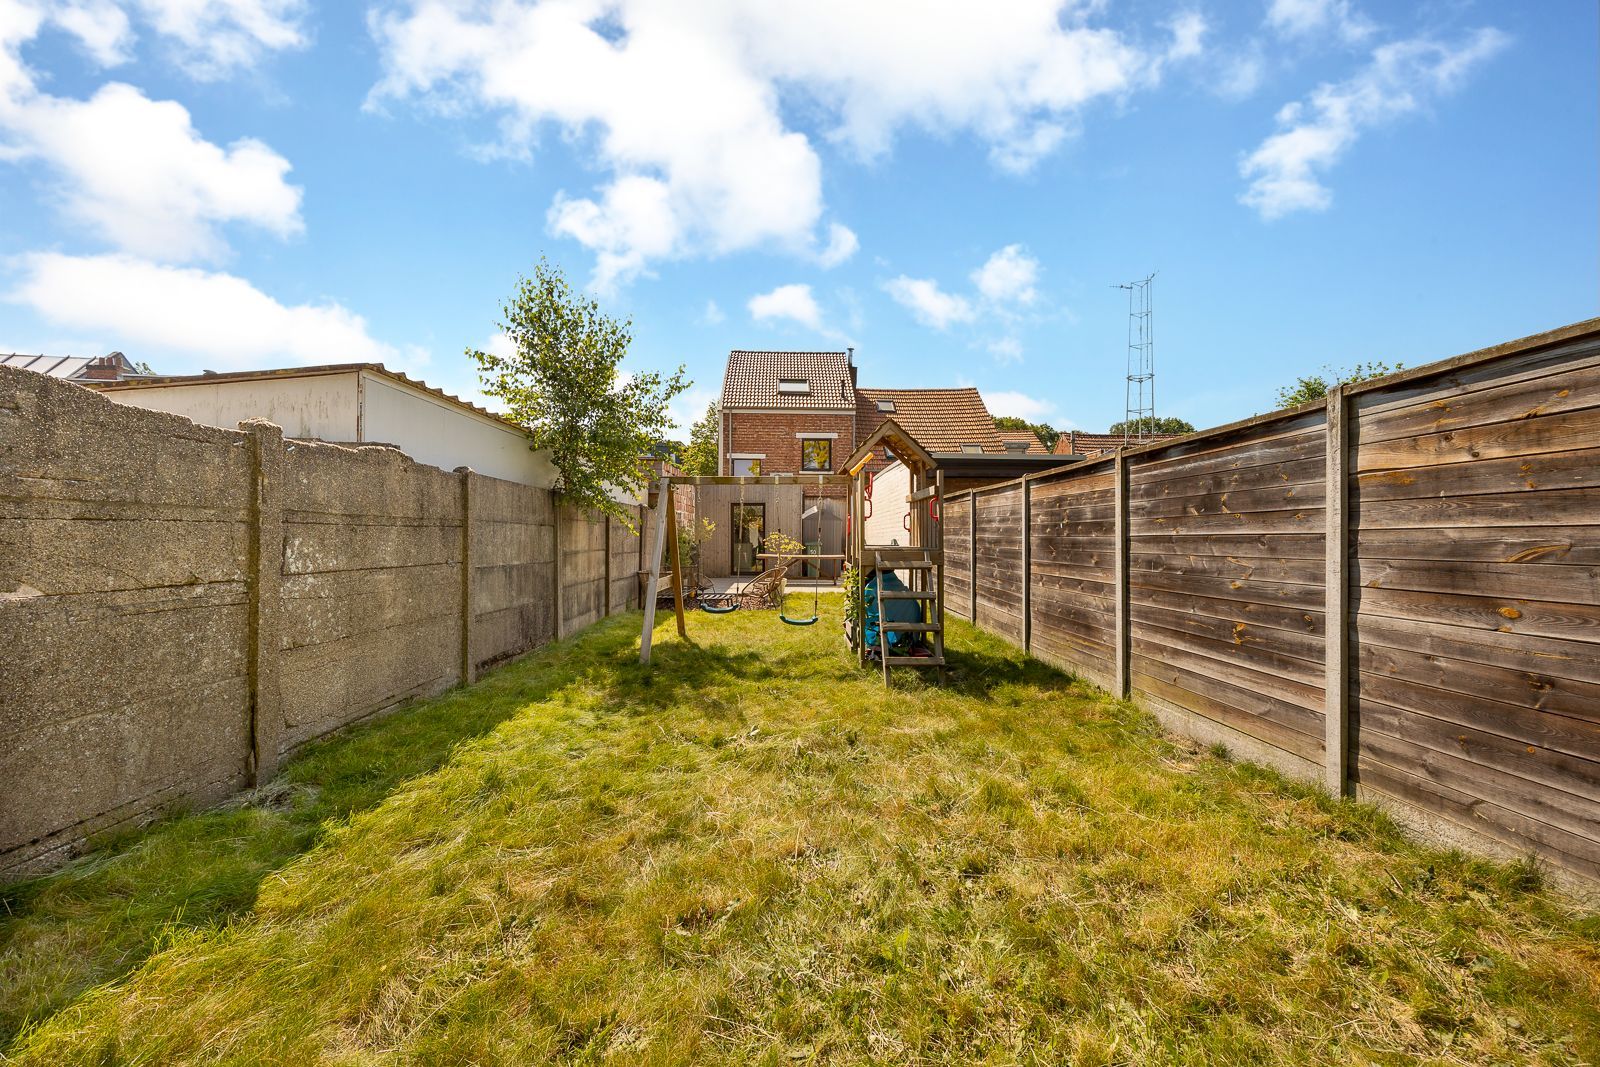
(701, 455)
(669, 450)
(1152, 424)
(1046, 433)
(1305, 390)
(561, 384)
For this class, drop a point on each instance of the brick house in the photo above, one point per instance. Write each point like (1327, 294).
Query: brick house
(800, 412)
(794, 412)
(1078, 443)
(786, 412)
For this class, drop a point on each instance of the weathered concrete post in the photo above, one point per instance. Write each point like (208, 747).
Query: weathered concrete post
(262, 635)
(469, 669)
(555, 564)
(608, 520)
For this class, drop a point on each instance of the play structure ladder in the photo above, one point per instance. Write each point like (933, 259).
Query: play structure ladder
(925, 563)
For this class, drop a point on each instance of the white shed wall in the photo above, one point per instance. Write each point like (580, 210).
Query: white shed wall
(434, 431)
(322, 406)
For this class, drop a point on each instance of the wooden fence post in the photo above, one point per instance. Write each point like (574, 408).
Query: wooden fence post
(1120, 605)
(1336, 598)
(972, 556)
(265, 585)
(1027, 568)
(469, 670)
(653, 586)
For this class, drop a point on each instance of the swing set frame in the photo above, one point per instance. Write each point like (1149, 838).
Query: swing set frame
(666, 526)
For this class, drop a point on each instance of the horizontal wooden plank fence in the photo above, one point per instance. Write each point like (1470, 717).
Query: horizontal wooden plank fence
(1395, 592)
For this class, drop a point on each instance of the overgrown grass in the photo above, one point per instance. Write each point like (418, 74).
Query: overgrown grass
(758, 854)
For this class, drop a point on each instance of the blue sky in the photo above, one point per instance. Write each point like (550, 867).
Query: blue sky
(952, 188)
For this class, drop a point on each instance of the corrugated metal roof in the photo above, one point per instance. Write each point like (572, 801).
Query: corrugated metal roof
(752, 380)
(298, 372)
(941, 420)
(54, 366)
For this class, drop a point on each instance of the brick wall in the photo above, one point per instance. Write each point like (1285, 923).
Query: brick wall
(773, 435)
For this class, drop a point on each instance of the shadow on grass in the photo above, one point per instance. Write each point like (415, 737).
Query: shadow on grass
(104, 914)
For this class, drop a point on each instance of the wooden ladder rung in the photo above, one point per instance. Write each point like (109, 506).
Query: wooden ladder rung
(915, 661)
(913, 627)
(909, 594)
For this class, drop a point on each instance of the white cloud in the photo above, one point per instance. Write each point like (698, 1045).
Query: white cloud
(1401, 79)
(842, 244)
(1303, 18)
(1020, 405)
(217, 317)
(1239, 75)
(100, 26)
(1008, 276)
(137, 172)
(500, 344)
(688, 408)
(1188, 35)
(132, 169)
(793, 302)
(213, 38)
(930, 305)
(1005, 350)
(683, 107)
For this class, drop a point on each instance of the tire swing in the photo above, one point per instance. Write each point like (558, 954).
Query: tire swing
(816, 585)
(730, 603)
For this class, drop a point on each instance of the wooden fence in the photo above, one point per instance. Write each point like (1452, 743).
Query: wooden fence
(1396, 591)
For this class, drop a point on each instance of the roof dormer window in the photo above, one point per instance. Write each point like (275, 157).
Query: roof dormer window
(793, 385)
(970, 448)
(886, 406)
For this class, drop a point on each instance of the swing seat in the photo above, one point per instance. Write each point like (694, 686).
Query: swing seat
(719, 609)
(798, 622)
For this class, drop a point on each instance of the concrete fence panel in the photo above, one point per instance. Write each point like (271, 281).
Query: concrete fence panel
(181, 607)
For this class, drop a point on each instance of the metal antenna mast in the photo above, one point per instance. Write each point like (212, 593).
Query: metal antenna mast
(1140, 394)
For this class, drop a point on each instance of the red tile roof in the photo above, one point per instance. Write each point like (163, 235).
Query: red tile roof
(1028, 437)
(941, 420)
(1078, 443)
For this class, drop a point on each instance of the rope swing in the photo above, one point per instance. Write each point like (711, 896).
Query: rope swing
(816, 585)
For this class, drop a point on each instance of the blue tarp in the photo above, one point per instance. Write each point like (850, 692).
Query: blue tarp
(894, 611)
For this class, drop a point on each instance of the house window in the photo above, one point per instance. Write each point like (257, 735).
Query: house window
(793, 385)
(886, 406)
(816, 454)
(970, 447)
(745, 466)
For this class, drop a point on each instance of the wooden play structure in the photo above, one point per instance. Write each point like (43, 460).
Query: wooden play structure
(871, 587)
(921, 558)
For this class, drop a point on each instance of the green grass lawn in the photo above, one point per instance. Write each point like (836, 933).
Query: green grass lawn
(756, 853)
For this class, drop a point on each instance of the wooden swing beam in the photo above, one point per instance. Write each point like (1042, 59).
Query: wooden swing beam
(667, 524)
